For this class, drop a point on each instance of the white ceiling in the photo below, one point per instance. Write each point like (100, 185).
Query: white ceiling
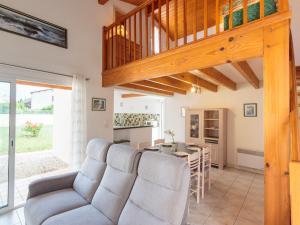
(295, 7)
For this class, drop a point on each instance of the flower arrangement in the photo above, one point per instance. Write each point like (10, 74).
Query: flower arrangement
(170, 133)
(33, 129)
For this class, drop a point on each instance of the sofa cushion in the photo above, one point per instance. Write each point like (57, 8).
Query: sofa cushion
(86, 215)
(160, 192)
(117, 181)
(92, 170)
(41, 207)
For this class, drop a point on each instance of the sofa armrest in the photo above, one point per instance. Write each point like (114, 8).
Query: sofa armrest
(49, 184)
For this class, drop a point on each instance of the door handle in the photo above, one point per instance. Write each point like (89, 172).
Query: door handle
(12, 143)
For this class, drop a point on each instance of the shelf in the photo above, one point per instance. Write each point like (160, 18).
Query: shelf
(212, 119)
(211, 128)
(211, 138)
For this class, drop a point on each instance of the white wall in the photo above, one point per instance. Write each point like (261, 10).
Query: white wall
(84, 20)
(242, 132)
(136, 105)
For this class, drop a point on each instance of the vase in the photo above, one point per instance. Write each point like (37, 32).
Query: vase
(169, 148)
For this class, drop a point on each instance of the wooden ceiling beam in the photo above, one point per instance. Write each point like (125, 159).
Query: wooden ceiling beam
(134, 2)
(102, 2)
(132, 95)
(168, 81)
(195, 80)
(159, 86)
(219, 77)
(147, 89)
(210, 52)
(246, 71)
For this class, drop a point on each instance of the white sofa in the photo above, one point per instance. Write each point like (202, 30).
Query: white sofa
(115, 185)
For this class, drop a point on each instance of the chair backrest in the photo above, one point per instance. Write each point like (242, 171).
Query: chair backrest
(160, 192)
(159, 141)
(143, 145)
(117, 182)
(194, 161)
(92, 169)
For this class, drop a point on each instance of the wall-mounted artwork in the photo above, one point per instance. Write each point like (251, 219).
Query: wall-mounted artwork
(194, 131)
(250, 110)
(25, 25)
(98, 104)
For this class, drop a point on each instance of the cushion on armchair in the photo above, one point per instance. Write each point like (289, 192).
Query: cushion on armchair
(92, 169)
(59, 194)
(160, 192)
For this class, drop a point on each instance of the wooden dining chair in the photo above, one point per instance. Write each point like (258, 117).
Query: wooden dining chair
(159, 142)
(143, 145)
(200, 167)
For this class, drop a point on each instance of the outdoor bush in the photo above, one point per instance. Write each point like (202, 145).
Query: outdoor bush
(4, 108)
(21, 107)
(33, 129)
(48, 109)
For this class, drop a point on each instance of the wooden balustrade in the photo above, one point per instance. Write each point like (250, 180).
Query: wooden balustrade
(157, 26)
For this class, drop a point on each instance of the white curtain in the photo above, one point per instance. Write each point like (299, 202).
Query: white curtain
(78, 114)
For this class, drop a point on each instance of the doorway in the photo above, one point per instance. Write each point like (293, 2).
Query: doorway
(35, 136)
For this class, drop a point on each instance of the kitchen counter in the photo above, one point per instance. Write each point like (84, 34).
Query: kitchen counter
(132, 127)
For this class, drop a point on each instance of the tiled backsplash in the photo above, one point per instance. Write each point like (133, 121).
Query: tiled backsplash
(133, 119)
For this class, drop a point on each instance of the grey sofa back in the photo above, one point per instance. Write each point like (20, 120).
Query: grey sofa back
(160, 192)
(117, 182)
(92, 170)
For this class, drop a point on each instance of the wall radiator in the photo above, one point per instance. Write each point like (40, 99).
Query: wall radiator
(250, 159)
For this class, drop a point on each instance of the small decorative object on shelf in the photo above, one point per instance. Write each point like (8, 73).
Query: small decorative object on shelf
(250, 110)
(98, 104)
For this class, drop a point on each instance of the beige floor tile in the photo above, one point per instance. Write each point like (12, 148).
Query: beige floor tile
(10, 218)
(220, 220)
(241, 221)
(196, 219)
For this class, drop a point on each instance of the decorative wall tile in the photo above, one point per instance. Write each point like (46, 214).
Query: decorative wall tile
(134, 119)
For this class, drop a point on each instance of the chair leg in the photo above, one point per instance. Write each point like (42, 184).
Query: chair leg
(203, 185)
(198, 189)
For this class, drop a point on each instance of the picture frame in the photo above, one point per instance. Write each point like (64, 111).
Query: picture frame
(25, 25)
(250, 110)
(98, 104)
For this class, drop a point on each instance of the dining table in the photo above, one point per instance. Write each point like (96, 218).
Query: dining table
(183, 150)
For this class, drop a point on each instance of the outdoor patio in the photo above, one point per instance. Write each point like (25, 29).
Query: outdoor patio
(29, 167)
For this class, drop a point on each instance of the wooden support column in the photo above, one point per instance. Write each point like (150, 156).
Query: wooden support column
(276, 123)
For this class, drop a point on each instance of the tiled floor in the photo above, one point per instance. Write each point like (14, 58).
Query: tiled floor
(15, 217)
(21, 187)
(236, 198)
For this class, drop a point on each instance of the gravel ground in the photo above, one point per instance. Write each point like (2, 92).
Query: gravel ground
(30, 164)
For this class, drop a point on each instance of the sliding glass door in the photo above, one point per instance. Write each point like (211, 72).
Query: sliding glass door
(35, 136)
(7, 131)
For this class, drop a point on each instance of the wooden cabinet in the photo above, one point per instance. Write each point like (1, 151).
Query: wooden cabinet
(208, 126)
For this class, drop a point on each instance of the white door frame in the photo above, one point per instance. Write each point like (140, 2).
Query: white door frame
(11, 153)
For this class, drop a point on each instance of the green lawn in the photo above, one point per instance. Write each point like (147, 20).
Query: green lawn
(25, 143)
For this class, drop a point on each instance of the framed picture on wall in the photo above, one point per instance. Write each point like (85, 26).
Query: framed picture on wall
(22, 24)
(250, 110)
(98, 104)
